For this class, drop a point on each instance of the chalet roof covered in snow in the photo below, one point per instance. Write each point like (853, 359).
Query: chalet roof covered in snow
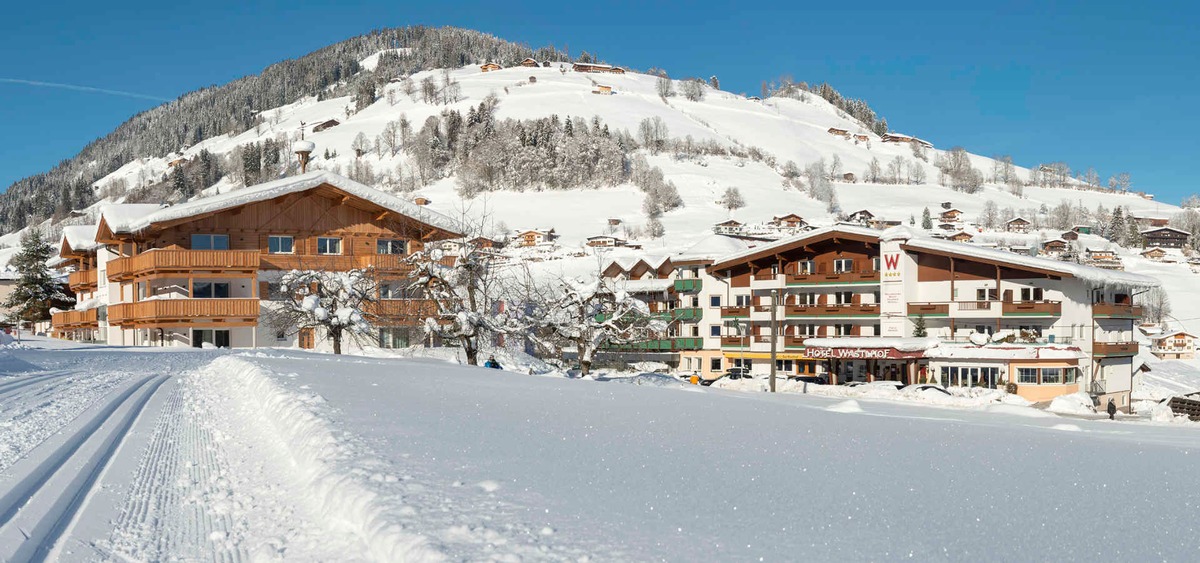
(118, 216)
(80, 238)
(713, 247)
(792, 241)
(645, 286)
(1172, 334)
(1157, 229)
(949, 351)
(276, 188)
(1092, 276)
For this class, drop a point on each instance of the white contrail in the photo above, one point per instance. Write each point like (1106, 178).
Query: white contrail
(82, 89)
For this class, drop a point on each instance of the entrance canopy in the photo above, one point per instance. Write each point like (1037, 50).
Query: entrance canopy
(868, 348)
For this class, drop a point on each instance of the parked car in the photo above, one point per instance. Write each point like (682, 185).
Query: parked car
(924, 386)
(816, 379)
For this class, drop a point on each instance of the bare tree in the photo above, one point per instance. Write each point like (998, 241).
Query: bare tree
(361, 145)
(664, 86)
(693, 89)
(338, 303)
(732, 199)
(1156, 304)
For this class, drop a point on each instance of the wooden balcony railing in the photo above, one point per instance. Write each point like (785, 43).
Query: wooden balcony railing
(795, 341)
(929, 309)
(165, 313)
(393, 312)
(832, 310)
(66, 320)
(765, 275)
(158, 262)
(1032, 308)
(1115, 348)
(84, 280)
(735, 341)
(832, 278)
(731, 312)
(1116, 311)
(390, 263)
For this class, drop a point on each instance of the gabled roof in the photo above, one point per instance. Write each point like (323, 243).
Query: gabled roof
(1015, 219)
(130, 222)
(1172, 334)
(1054, 240)
(78, 238)
(1156, 229)
(951, 210)
(712, 247)
(797, 241)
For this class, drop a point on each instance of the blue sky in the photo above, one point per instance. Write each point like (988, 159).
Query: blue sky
(1104, 84)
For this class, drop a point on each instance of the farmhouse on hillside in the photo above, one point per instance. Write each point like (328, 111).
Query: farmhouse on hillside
(1017, 225)
(1164, 237)
(596, 67)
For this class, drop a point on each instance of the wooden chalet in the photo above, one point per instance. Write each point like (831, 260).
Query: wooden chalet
(961, 236)
(728, 227)
(1153, 253)
(530, 63)
(1054, 247)
(1164, 237)
(1069, 236)
(952, 214)
(861, 216)
(1017, 225)
(603, 90)
(534, 237)
(202, 272)
(422, 200)
(325, 125)
(1082, 229)
(791, 221)
(861, 138)
(898, 138)
(839, 132)
(489, 67)
(605, 241)
(597, 67)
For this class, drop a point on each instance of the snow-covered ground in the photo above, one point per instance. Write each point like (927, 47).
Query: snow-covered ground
(140, 454)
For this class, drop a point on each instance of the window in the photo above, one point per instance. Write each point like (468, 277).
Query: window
(218, 338)
(1051, 376)
(695, 331)
(878, 330)
(329, 245)
(843, 265)
(1031, 294)
(279, 244)
(714, 364)
(844, 330)
(394, 337)
(784, 366)
(210, 290)
(743, 363)
(875, 264)
(388, 246)
(982, 294)
(714, 301)
(843, 297)
(275, 292)
(280, 334)
(807, 330)
(743, 300)
(1027, 375)
(804, 267)
(806, 299)
(714, 330)
(400, 290)
(210, 242)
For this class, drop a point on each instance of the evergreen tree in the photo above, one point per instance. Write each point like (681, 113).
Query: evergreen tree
(36, 290)
(919, 330)
(1117, 228)
(926, 219)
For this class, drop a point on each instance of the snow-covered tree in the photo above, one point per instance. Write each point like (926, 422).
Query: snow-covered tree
(1156, 304)
(653, 133)
(693, 89)
(466, 295)
(337, 303)
(591, 315)
(926, 219)
(990, 216)
(732, 199)
(664, 86)
(36, 291)
(361, 145)
(873, 172)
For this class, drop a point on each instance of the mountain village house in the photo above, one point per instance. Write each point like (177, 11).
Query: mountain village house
(1154, 253)
(596, 67)
(789, 221)
(605, 241)
(1054, 247)
(488, 67)
(1017, 225)
(208, 271)
(325, 125)
(730, 227)
(838, 131)
(1178, 345)
(961, 236)
(535, 237)
(1164, 237)
(951, 215)
(898, 138)
(1070, 236)
(528, 62)
(850, 303)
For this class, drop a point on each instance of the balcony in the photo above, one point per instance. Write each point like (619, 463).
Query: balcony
(871, 310)
(67, 320)
(735, 312)
(164, 263)
(83, 281)
(1116, 311)
(735, 341)
(929, 309)
(1114, 349)
(688, 285)
(1032, 308)
(400, 312)
(200, 313)
(688, 314)
(691, 343)
(394, 264)
(839, 278)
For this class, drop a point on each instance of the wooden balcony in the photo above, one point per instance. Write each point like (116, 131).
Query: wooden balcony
(1032, 309)
(1116, 311)
(1112, 349)
(169, 263)
(734, 312)
(67, 320)
(929, 309)
(392, 264)
(795, 341)
(871, 310)
(174, 313)
(83, 281)
(834, 278)
(735, 341)
(400, 312)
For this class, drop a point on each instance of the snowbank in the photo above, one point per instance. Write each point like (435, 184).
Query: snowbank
(1075, 403)
(340, 494)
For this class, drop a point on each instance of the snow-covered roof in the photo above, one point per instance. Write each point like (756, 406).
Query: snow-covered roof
(80, 237)
(120, 216)
(810, 235)
(1015, 219)
(1054, 240)
(1152, 249)
(1004, 352)
(284, 186)
(712, 247)
(645, 286)
(910, 344)
(1171, 335)
(1155, 229)
(1090, 275)
(303, 146)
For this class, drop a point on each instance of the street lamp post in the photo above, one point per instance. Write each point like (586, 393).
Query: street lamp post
(774, 335)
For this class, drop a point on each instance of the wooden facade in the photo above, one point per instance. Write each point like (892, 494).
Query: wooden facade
(489, 67)
(1164, 237)
(596, 67)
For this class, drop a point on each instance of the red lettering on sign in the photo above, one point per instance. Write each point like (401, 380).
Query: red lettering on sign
(890, 261)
